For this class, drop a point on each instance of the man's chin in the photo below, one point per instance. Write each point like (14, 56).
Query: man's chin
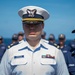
(32, 36)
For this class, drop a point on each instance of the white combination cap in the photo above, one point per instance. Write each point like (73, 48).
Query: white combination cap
(33, 13)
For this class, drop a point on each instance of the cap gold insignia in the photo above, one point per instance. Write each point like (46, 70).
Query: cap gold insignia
(31, 13)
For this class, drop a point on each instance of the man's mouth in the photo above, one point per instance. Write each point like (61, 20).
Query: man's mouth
(32, 33)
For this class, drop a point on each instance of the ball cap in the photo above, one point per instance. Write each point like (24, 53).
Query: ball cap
(61, 36)
(73, 31)
(33, 13)
(43, 33)
(14, 37)
(51, 37)
(1, 37)
(20, 34)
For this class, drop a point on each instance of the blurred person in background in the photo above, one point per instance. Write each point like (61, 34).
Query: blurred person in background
(72, 43)
(62, 46)
(52, 40)
(62, 43)
(69, 57)
(71, 63)
(43, 35)
(14, 40)
(3, 47)
(20, 37)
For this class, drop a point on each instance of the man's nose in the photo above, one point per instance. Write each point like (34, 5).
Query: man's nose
(32, 26)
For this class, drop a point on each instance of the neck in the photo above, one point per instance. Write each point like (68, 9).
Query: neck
(61, 45)
(33, 43)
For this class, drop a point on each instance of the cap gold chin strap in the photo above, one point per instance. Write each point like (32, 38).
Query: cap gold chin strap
(32, 19)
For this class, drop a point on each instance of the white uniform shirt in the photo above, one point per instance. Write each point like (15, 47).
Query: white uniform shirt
(21, 41)
(21, 59)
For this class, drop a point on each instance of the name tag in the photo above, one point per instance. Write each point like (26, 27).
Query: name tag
(65, 51)
(71, 64)
(21, 56)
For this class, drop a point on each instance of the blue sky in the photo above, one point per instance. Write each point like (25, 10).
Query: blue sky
(62, 16)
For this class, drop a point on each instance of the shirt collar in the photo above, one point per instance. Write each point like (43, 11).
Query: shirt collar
(40, 45)
(21, 41)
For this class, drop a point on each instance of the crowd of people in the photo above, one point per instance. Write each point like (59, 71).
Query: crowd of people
(30, 53)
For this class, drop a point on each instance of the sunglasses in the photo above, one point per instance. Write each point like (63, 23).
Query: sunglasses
(61, 39)
(51, 39)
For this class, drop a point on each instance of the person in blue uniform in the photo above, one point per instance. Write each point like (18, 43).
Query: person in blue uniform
(2, 48)
(20, 36)
(33, 56)
(14, 40)
(43, 35)
(62, 46)
(71, 62)
(52, 40)
(72, 45)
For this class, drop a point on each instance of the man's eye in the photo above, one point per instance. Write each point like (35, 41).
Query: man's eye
(26, 25)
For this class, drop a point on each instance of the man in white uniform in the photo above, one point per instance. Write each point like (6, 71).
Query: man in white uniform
(33, 56)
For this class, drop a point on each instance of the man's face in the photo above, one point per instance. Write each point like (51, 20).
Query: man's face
(61, 41)
(33, 31)
(0, 41)
(20, 37)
